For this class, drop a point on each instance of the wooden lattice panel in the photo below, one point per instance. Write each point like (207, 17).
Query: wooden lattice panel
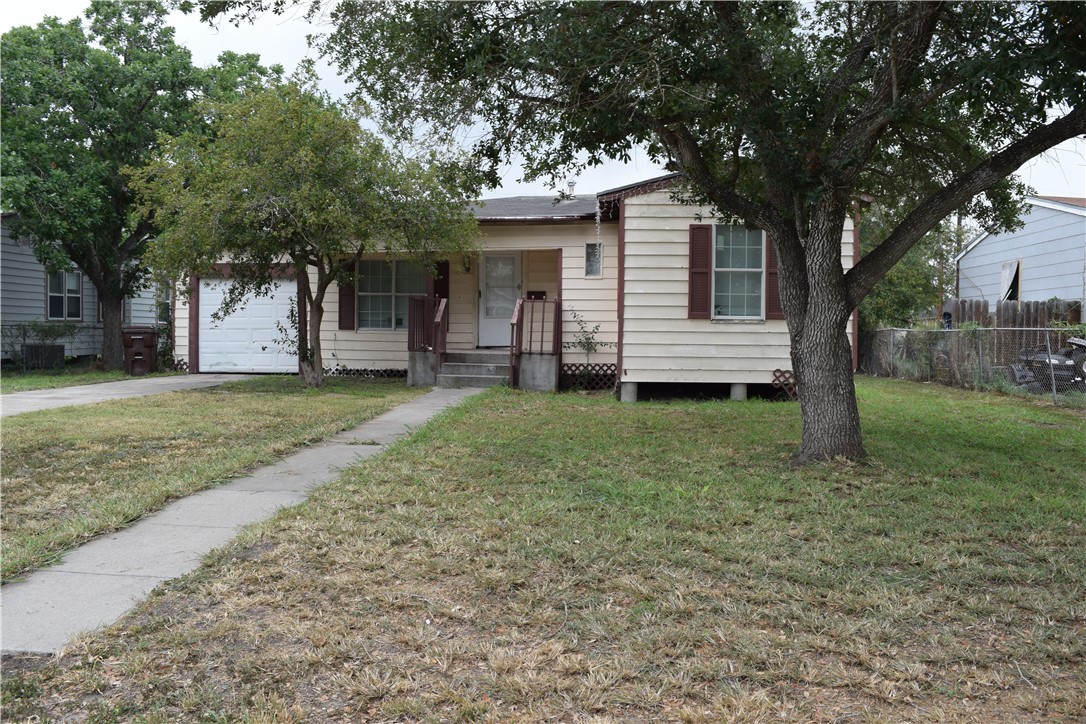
(580, 376)
(785, 380)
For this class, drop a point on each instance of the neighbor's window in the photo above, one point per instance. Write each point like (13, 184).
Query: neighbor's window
(738, 272)
(163, 304)
(593, 260)
(383, 290)
(65, 296)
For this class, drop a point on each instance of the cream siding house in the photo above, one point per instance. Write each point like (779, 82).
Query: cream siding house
(624, 260)
(662, 339)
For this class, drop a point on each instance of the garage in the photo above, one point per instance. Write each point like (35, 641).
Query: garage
(246, 340)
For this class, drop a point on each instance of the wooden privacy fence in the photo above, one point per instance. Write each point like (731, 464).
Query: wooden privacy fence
(1008, 315)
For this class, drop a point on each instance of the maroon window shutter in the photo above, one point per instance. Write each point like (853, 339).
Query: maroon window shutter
(773, 308)
(347, 317)
(699, 302)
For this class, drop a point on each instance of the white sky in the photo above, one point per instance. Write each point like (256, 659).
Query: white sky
(1059, 172)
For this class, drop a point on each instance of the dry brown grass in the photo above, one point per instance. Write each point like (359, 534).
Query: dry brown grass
(73, 473)
(536, 558)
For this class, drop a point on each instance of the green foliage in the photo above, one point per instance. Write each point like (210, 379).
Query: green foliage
(918, 282)
(79, 101)
(284, 181)
(584, 339)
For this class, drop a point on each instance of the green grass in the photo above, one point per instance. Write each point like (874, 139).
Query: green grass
(15, 381)
(74, 473)
(534, 557)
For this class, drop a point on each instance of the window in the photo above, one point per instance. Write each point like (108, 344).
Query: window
(65, 296)
(163, 304)
(593, 260)
(738, 272)
(383, 290)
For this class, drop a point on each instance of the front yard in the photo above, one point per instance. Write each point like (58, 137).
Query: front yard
(534, 557)
(73, 473)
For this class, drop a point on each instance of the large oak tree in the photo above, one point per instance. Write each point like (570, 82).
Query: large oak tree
(781, 114)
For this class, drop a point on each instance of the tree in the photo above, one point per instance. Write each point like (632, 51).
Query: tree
(780, 114)
(77, 105)
(287, 181)
(916, 284)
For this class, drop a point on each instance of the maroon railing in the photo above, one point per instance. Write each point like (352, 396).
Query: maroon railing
(530, 324)
(441, 332)
(420, 312)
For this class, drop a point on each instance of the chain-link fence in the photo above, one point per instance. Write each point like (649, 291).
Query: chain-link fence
(1034, 360)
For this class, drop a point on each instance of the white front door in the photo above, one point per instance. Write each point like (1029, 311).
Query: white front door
(499, 289)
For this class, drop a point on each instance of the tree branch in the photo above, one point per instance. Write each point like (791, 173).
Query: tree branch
(862, 278)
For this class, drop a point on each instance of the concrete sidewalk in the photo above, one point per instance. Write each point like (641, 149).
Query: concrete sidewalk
(16, 403)
(99, 582)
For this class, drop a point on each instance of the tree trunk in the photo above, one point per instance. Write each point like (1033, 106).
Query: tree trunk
(817, 308)
(112, 331)
(312, 365)
(822, 360)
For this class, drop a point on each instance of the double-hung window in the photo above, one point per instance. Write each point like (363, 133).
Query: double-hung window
(64, 295)
(738, 272)
(383, 290)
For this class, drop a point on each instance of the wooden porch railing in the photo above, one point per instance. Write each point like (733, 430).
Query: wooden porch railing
(533, 321)
(441, 332)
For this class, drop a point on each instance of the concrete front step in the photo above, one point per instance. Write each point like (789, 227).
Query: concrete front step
(479, 356)
(454, 381)
(473, 368)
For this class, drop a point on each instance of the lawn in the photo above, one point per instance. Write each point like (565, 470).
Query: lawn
(14, 381)
(73, 473)
(531, 557)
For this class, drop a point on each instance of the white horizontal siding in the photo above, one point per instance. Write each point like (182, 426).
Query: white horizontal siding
(1052, 247)
(594, 298)
(659, 343)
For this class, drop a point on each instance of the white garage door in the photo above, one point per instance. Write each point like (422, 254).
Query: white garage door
(246, 340)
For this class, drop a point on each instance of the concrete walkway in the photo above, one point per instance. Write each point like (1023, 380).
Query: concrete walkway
(16, 403)
(99, 582)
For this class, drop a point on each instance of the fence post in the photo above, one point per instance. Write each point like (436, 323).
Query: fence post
(892, 335)
(1051, 366)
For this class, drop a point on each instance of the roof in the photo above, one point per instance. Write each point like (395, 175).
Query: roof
(536, 208)
(1069, 200)
(1069, 204)
(641, 187)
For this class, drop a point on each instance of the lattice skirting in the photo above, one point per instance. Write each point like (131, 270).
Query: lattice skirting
(385, 374)
(580, 376)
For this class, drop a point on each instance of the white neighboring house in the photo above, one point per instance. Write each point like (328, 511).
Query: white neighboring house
(29, 294)
(1044, 259)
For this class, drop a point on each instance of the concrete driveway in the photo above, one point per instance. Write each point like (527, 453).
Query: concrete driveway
(17, 403)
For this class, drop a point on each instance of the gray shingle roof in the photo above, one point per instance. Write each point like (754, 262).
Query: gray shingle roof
(536, 207)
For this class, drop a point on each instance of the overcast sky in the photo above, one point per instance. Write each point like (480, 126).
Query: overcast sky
(1059, 172)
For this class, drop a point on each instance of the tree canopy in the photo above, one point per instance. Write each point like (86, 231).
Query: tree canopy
(79, 103)
(288, 182)
(778, 113)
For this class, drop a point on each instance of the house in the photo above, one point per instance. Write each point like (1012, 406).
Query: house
(1044, 259)
(29, 295)
(668, 297)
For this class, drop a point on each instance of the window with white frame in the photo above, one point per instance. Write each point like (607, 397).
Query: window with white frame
(593, 259)
(383, 290)
(738, 272)
(64, 296)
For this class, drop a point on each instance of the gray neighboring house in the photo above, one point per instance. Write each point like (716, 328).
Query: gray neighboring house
(29, 294)
(1046, 258)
